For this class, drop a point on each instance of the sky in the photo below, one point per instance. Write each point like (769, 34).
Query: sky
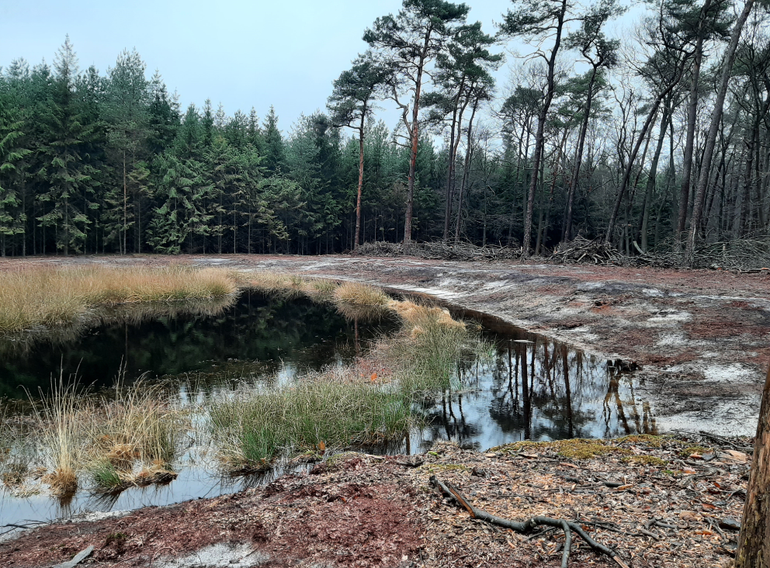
(242, 54)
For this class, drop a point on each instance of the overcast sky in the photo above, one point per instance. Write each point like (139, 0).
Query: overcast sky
(243, 54)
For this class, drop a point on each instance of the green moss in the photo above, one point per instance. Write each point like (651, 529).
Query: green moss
(689, 450)
(578, 448)
(648, 439)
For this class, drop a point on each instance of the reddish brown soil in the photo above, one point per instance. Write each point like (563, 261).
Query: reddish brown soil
(646, 500)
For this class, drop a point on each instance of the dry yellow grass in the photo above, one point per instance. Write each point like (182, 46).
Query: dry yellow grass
(421, 317)
(50, 297)
(360, 301)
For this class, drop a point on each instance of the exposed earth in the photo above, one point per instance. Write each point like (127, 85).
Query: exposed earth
(701, 338)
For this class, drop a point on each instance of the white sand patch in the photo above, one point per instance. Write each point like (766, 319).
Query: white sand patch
(733, 373)
(671, 340)
(734, 417)
(216, 556)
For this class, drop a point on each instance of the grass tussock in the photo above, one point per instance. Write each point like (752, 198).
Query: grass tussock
(51, 297)
(133, 437)
(59, 416)
(255, 426)
(428, 348)
(360, 301)
(113, 440)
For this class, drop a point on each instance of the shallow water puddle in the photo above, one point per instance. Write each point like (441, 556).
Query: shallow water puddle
(525, 387)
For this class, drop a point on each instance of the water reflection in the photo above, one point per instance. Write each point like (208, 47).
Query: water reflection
(254, 336)
(533, 388)
(526, 387)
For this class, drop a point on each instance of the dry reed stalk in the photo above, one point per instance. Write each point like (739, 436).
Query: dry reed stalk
(52, 297)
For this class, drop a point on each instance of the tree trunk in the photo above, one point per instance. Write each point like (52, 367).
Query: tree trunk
(684, 194)
(578, 158)
(716, 119)
(360, 178)
(754, 539)
(540, 137)
(466, 171)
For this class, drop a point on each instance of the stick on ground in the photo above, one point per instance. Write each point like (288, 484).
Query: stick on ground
(528, 525)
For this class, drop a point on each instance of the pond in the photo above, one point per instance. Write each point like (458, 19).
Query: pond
(523, 387)
(256, 335)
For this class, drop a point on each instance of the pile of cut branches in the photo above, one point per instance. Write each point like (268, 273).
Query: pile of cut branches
(743, 255)
(440, 250)
(583, 250)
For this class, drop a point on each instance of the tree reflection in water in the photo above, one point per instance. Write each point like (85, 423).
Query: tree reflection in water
(535, 388)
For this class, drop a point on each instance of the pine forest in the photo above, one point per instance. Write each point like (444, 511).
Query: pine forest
(526, 136)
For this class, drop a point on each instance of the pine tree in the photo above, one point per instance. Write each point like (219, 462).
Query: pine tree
(351, 105)
(408, 43)
(274, 151)
(12, 153)
(64, 169)
(126, 112)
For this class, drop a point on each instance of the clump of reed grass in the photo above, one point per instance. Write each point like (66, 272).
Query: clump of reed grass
(254, 426)
(136, 429)
(34, 296)
(59, 417)
(428, 348)
(360, 301)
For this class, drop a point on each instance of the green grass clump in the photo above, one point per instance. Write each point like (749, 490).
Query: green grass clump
(106, 476)
(255, 426)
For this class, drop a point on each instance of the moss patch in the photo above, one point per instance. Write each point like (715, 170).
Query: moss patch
(690, 450)
(646, 460)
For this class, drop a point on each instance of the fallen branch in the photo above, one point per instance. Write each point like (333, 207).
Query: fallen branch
(527, 526)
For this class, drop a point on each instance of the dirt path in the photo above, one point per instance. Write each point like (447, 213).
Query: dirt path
(701, 337)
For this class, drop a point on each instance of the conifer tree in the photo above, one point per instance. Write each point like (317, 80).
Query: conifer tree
(408, 43)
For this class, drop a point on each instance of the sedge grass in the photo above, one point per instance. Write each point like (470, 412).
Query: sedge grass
(360, 301)
(137, 429)
(428, 348)
(254, 426)
(32, 297)
(59, 417)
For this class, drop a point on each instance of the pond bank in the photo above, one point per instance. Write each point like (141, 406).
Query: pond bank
(656, 501)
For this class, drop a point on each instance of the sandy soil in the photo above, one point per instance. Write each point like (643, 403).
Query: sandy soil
(702, 339)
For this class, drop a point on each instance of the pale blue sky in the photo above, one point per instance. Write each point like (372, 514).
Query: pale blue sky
(240, 53)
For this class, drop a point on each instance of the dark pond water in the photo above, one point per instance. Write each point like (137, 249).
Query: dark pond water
(257, 334)
(527, 387)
